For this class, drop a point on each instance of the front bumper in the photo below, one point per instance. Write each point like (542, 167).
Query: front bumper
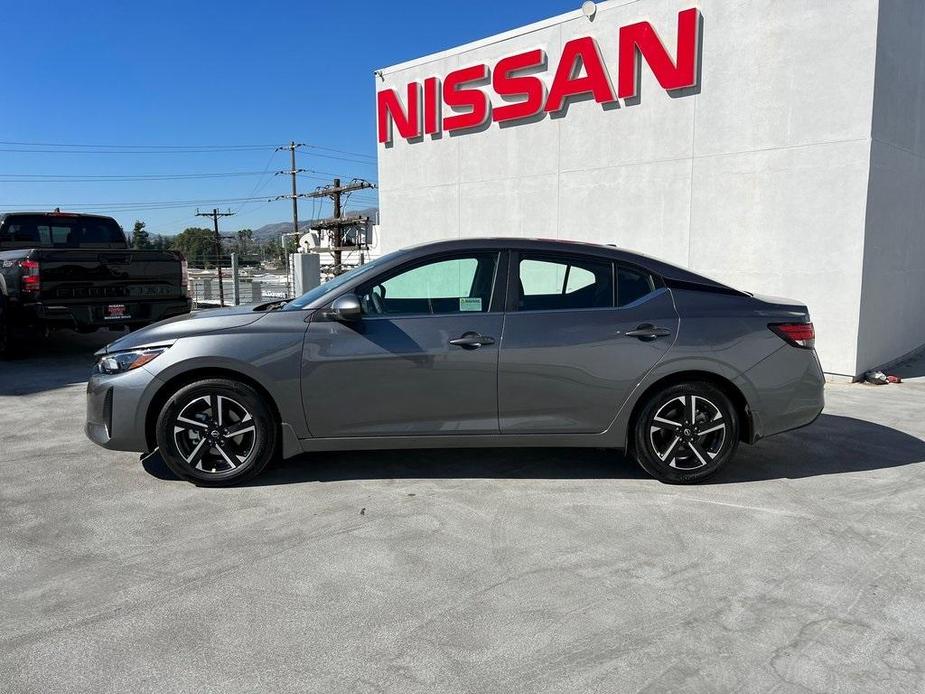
(116, 407)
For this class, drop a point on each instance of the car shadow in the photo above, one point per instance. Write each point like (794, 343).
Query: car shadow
(832, 445)
(62, 359)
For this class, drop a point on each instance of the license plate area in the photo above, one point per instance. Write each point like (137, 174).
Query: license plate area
(116, 312)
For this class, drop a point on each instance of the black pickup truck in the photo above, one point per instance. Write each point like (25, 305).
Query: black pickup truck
(65, 270)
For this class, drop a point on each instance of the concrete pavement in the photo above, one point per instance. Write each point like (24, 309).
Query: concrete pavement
(799, 568)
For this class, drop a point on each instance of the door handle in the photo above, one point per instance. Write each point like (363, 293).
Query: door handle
(472, 340)
(647, 331)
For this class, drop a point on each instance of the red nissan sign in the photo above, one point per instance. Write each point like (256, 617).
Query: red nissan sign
(463, 91)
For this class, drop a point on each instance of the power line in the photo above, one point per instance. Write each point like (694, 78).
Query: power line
(325, 175)
(341, 151)
(112, 146)
(129, 206)
(257, 185)
(53, 147)
(116, 178)
(333, 156)
(133, 151)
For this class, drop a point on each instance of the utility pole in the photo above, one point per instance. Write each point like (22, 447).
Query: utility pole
(338, 223)
(215, 214)
(293, 171)
(338, 232)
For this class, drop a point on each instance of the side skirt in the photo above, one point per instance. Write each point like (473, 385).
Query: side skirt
(368, 443)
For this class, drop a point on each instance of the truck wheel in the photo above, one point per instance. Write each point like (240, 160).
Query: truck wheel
(7, 344)
(686, 432)
(216, 432)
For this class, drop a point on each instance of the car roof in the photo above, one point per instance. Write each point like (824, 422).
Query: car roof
(659, 267)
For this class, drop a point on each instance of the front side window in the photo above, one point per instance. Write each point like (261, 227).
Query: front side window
(460, 284)
(549, 283)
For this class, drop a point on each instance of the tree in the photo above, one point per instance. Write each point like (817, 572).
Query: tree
(197, 245)
(244, 241)
(140, 236)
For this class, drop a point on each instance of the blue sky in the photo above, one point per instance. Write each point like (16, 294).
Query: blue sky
(159, 75)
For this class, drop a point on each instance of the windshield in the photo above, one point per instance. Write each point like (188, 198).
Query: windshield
(313, 295)
(60, 231)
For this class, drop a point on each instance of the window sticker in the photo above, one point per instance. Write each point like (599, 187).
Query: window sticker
(470, 304)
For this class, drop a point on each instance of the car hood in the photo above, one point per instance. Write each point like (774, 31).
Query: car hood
(196, 323)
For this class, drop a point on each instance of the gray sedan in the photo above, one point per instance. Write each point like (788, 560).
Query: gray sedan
(477, 342)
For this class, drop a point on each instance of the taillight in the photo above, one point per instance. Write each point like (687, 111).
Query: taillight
(184, 276)
(797, 334)
(30, 278)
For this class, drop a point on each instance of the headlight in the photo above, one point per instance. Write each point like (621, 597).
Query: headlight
(126, 361)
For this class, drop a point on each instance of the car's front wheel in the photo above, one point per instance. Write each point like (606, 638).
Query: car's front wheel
(216, 432)
(686, 432)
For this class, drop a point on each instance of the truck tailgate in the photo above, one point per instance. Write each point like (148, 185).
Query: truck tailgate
(82, 275)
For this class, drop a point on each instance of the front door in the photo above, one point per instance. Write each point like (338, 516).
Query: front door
(575, 342)
(423, 359)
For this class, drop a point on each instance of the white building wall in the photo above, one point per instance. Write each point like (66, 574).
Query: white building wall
(759, 177)
(892, 321)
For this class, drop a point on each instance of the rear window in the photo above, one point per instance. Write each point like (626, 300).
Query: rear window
(633, 284)
(52, 231)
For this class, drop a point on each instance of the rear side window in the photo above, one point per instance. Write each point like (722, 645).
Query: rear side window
(46, 231)
(549, 283)
(633, 284)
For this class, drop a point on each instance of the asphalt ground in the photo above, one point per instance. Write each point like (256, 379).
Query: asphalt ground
(799, 568)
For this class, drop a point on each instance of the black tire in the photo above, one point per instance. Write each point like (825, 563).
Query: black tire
(674, 449)
(7, 342)
(195, 432)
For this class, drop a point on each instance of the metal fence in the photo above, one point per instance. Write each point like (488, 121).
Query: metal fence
(204, 289)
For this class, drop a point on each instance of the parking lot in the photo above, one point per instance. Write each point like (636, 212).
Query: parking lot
(798, 568)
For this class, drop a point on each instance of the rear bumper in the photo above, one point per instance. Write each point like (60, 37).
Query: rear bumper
(135, 313)
(790, 391)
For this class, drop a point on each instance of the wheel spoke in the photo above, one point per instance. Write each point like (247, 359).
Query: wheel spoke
(193, 423)
(702, 455)
(244, 426)
(195, 458)
(690, 408)
(221, 450)
(671, 448)
(666, 422)
(714, 427)
(215, 402)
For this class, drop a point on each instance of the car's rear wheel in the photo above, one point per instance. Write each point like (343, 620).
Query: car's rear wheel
(686, 432)
(216, 432)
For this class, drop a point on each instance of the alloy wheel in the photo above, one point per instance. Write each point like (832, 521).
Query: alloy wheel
(214, 433)
(688, 432)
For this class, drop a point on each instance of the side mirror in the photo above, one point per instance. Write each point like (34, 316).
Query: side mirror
(345, 308)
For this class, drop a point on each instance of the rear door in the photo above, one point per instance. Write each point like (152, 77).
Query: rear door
(580, 333)
(422, 360)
